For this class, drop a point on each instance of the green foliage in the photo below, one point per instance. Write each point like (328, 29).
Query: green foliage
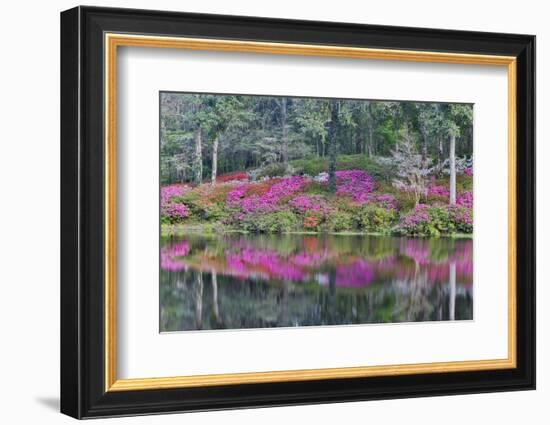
(314, 166)
(341, 221)
(440, 222)
(464, 183)
(273, 170)
(255, 131)
(203, 208)
(276, 222)
(373, 218)
(434, 221)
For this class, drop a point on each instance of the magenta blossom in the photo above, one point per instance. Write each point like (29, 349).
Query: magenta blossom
(355, 183)
(466, 199)
(305, 203)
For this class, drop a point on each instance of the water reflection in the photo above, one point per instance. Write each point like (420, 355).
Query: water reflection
(251, 281)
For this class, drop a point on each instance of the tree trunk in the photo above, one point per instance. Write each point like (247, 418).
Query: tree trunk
(452, 166)
(284, 150)
(332, 148)
(424, 145)
(198, 156)
(440, 153)
(371, 142)
(215, 160)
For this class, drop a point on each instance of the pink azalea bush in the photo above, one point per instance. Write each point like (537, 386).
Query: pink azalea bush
(435, 190)
(355, 183)
(434, 220)
(294, 203)
(466, 199)
(386, 200)
(267, 201)
(235, 196)
(305, 203)
(173, 211)
(167, 193)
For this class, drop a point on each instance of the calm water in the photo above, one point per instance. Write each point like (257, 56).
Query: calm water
(257, 281)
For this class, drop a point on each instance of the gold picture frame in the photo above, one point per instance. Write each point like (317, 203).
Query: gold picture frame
(114, 41)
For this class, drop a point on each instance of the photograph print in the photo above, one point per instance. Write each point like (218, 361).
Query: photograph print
(284, 211)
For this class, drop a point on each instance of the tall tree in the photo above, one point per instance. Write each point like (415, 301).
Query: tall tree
(332, 144)
(452, 168)
(197, 166)
(284, 131)
(411, 168)
(455, 116)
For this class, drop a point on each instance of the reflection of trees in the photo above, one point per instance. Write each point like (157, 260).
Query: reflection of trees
(216, 307)
(199, 287)
(452, 290)
(312, 280)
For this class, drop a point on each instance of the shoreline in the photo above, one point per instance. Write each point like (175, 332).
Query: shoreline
(211, 229)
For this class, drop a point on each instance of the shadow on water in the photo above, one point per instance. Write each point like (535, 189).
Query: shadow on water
(258, 281)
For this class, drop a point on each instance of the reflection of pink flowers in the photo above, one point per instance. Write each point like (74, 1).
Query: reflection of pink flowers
(309, 259)
(246, 259)
(170, 253)
(357, 274)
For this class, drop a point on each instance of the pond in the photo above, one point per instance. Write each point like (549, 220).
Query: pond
(235, 281)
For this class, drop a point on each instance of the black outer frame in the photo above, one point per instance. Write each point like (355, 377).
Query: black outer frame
(82, 212)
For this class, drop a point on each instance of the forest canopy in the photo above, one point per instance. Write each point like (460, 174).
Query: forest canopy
(247, 132)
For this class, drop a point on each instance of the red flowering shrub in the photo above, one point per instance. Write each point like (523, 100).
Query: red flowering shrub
(235, 176)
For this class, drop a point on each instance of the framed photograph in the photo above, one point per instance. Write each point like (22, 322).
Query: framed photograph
(261, 212)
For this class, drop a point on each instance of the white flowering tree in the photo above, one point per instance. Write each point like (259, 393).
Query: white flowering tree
(411, 168)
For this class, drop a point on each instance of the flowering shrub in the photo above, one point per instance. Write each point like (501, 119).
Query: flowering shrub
(236, 176)
(305, 203)
(167, 193)
(284, 204)
(355, 183)
(462, 218)
(312, 221)
(268, 201)
(175, 212)
(469, 171)
(385, 200)
(436, 220)
(415, 222)
(171, 211)
(435, 190)
(235, 196)
(466, 199)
